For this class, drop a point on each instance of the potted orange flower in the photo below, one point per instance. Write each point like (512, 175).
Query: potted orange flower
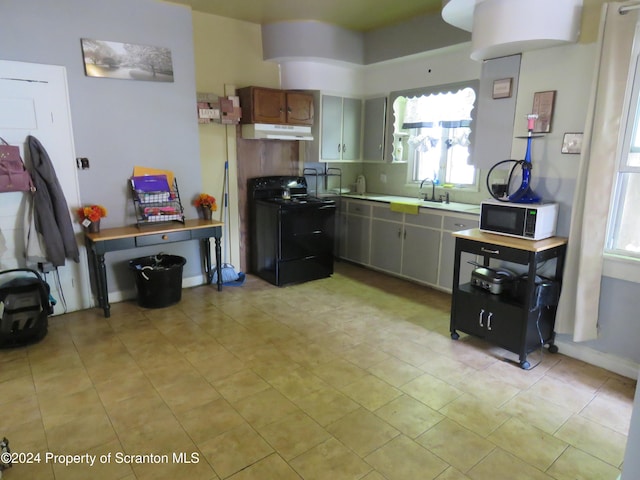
(90, 216)
(206, 204)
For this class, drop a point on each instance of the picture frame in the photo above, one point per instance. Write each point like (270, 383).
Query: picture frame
(126, 61)
(543, 103)
(502, 88)
(572, 142)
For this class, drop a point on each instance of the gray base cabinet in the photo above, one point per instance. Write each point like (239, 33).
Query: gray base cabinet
(420, 254)
(355, 240)
(386, 245)
(416, 247)
(453, 223)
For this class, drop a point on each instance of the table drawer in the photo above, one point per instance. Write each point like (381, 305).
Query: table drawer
(491, 250)
(160, 238)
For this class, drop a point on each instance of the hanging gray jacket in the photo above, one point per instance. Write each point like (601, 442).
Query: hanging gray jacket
(52, 217)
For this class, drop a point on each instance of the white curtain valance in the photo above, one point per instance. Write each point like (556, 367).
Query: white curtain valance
(451, 108)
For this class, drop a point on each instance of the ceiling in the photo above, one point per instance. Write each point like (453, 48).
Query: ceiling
(357, 15)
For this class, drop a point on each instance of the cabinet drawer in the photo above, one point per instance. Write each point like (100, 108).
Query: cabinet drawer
(159, 238)
(494, 251)
(385, 213)
(453, 224)
(425, 219)
(359, 209)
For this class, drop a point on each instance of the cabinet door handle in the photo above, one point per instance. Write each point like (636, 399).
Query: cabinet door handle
(405, 234)
(339, 147)
(480, 319)
(487, 250)
(489, 320)
(459, 225)
(344, 148)
(399, 232)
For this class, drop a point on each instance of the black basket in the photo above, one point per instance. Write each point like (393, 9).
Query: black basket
(26, 307)
(158, 279)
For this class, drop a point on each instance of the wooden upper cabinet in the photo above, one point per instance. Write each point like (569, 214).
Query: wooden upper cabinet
(270, 105)
(299, 108)
(262, 105)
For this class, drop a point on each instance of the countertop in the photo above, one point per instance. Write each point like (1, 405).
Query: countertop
(452, 206)
(503, 240)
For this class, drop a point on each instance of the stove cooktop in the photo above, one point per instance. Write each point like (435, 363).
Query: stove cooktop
(300, 200)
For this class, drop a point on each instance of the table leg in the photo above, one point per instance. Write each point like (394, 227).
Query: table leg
(103, 294)
(206, 252)
(218, 262)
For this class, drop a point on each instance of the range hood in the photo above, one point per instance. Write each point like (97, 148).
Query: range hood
(267, 131)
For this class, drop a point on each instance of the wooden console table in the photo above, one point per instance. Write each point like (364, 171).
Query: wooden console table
(126, 238)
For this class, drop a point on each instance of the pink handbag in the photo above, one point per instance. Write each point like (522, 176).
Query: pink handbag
(13, 176)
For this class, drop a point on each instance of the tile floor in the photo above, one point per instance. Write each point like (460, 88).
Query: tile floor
(353, 377)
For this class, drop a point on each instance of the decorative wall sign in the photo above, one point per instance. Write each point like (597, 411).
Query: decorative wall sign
(126, 61)
(572, 143)
(502, 88)
(543, 106)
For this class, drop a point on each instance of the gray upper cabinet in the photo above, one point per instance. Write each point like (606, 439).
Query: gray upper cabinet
(351, 128)
(375, 114)
(340, 128)
(331, 125)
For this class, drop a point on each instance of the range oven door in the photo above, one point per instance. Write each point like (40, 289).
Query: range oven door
(306, 240)
(306, 231)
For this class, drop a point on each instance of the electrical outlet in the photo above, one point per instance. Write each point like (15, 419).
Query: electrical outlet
(383, 178)
(82, 163)
(46, 267)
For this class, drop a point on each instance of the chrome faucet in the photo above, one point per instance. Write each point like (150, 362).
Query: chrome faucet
(433, 191)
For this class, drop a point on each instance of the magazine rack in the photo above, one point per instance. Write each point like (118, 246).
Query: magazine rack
(155, 201)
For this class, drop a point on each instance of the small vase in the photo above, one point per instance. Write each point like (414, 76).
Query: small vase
(94, 227)
(206, 213)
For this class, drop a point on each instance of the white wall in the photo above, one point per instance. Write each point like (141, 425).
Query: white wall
(118, 123)
(569, 71)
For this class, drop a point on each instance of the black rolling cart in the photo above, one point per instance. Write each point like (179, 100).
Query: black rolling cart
(522, 318)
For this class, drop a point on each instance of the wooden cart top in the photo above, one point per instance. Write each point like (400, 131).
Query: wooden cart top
(476, 235)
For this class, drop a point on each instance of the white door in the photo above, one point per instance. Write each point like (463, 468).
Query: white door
(34, 101)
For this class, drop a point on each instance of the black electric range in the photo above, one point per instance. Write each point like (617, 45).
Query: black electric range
(291, 232)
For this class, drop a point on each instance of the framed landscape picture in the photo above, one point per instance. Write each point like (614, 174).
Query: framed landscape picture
(126, 61)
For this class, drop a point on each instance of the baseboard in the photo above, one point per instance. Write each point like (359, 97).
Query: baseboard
(621, 366)
(122, 295)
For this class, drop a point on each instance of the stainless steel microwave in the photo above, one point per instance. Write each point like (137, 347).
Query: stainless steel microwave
(522, 220)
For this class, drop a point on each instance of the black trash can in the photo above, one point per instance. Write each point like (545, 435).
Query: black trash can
(158, 279)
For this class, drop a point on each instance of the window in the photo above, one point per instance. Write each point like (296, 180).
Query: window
(623, 236)
(433, 132)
